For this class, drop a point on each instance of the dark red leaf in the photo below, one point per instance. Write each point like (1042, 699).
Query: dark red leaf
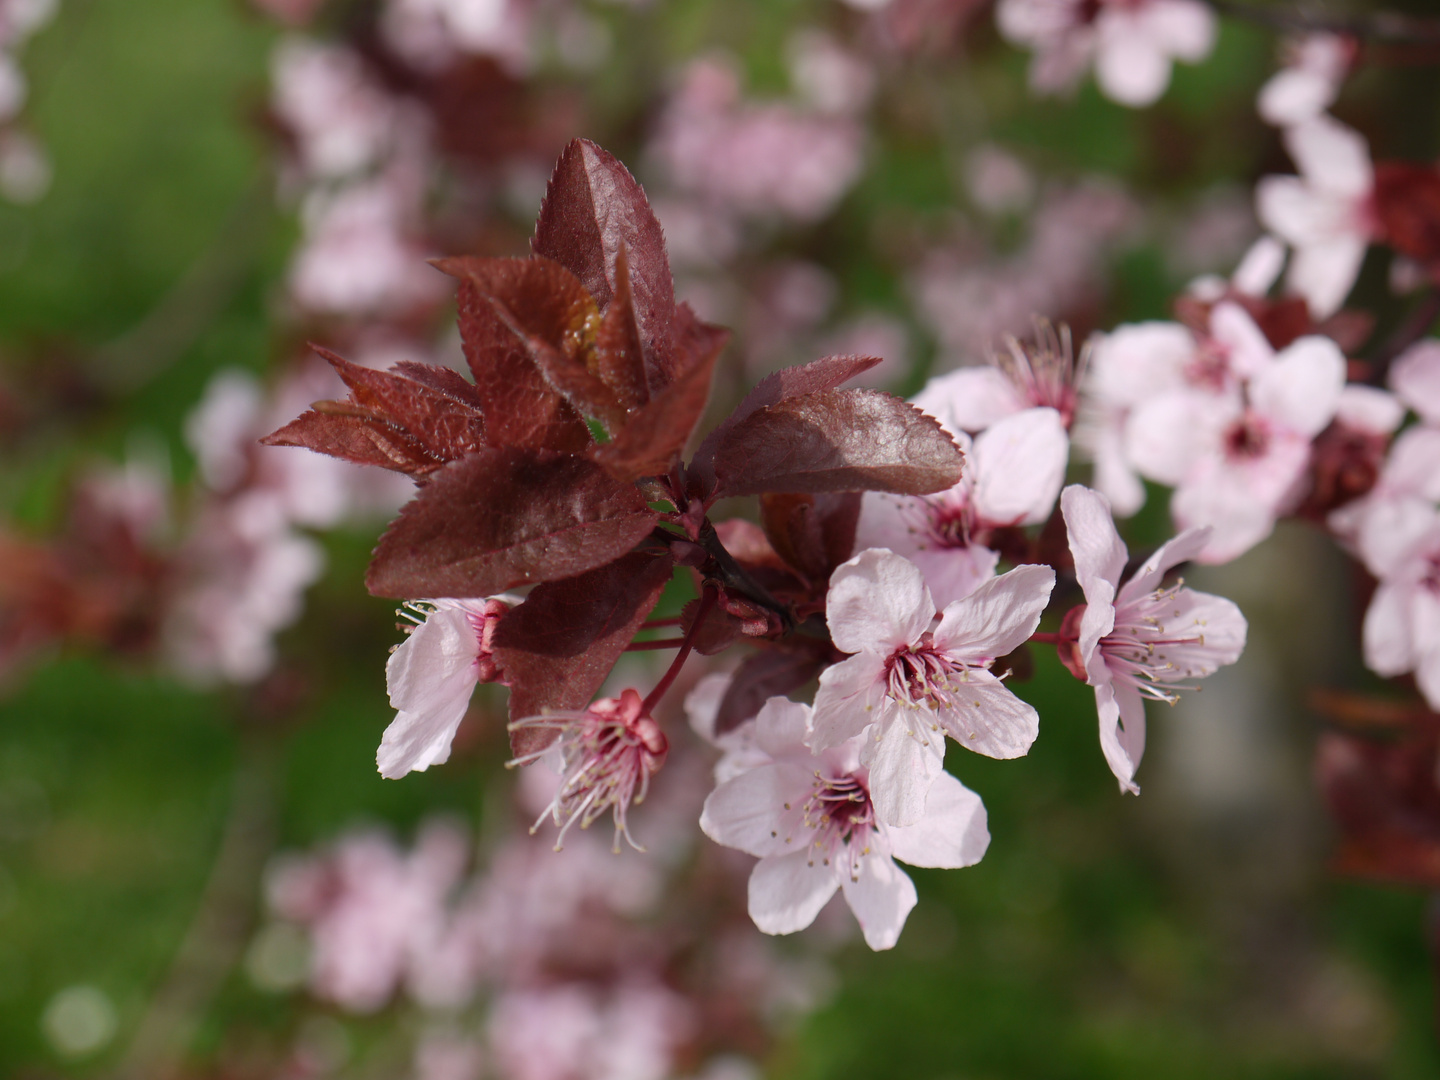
(777, 670)
(546, 310)
(812, 533)
(593, 209)
(359, 439)
(837, 440)
(619, 354)
(823, 374)
(446, 423)
(506, 517)
(1407, 202)
(559, 645)
(656, 433)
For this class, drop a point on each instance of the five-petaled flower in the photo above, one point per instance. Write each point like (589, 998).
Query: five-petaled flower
(1139, 639)
(812, 821)
(908, 686)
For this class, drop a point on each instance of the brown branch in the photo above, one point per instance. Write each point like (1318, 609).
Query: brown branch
(1386, 26)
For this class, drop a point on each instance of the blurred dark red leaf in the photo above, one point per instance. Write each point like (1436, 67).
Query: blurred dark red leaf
(823, 374)
(593, 210)
(837, 440)
(777, 670)
(1383, 795)
(1407, 202)
(506, 517)
(557, 647)
(812, 533)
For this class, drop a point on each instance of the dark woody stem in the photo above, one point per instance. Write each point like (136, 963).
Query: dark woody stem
(707, 601)
(1384, 26)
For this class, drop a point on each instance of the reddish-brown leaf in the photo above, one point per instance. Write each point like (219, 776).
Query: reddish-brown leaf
(360, 439)
(559, 645)
(655, 434)
(812, 533)
(593, 210)
(506, 517)
(826, 373)
(544, 308)
(837, 440)
(441, 414)
(619, 355)
(777, 670)
(1407, 202)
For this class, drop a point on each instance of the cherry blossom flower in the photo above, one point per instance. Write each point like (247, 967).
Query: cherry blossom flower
(910, 686)
(431, 675)
(605, 755)
(1325, 214)
(811, 820)
(1042, 373)
(1132, 42)
(341, 120)
(1401, 632)
(1139, 640)
(372, 910)
(1415, 378)
(1013, 472)
(1309, 83)
(1383, 526)
(1237, 451)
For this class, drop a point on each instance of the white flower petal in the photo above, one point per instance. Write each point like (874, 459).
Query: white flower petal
(430, 664)
(1130, 67)
(1019, 465)
(881, 897)
(970, 399)
(1369, 409)
(416, 740)
(850, 698)
(1122, 731)
(780, 727)
(1331, 156)
(951, 834)
(1174, 551)
(1415, 376)
(1136, 361)
(902, 768)
(877, 601)
(749, 812)
(955, 573)
(988, 719)
(1259, 267)
(1386, 634)
(1301, 388)
(998, 616)
(1232, 326)
(1211, 632)
(787, 892)
(1324, 272)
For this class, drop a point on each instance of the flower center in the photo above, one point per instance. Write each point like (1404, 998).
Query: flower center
(923, 677)
(1139, 648)
(842, 818)
(1248, 437)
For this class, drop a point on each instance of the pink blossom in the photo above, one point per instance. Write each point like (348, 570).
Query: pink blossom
(372, 911)
(1013, 472)
(1325, 214)
(431, 675)
(605, 755)
(341, 119)
(430, 33)
(1309, 83)
(811, 821)
(762, 160)
(573, 1032)
(909, 686)
(1384, 526)
(1415, 378)
(1132, 42)
(1401, 632)
(1139, 640)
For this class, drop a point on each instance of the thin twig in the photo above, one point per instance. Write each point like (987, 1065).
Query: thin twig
(1385, 26)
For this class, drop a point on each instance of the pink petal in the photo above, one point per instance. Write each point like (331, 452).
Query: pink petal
(955, 573)
(1294, 95)
(970, 399)
(1098, 550)
(416, 740)
(1324, 272)
(1134, 362)
(1019, 465)
(788, 891)
(1259, 267)
(989, 719)
(1386, 634)
(1331, 156)
(749, 812)
(1130, 67)
(1415, 376)
(1369, 409)
(881, 897)
(951, 834)
(1176, 550)
(1239, 517)
(1217, 630)
(1301, 388)
(1114, 478)
(851, 693)
(430, 665)
(997, 616)
(902, 768)
(1232, 326)
(877, 601)
(780, 727)
(1289, 208)
(1167, 435)
(1122, 731)
(1185, 28)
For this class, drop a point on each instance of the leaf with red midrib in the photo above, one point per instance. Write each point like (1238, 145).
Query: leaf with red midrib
(557, 647)
(361, 440)
(593, 209)
(506, 517)
(837, 440)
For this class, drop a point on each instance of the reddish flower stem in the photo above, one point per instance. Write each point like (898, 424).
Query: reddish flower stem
(1046, 638)
(707, 601)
